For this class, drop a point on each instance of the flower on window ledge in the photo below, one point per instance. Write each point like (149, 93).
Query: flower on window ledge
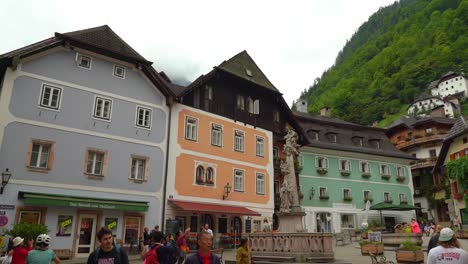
(386, 176)
(365, 175)
(400, 178)
(348, 198)
(200, 181)
(209, 181)
(322, 171)
(345, 173)
(324, 197)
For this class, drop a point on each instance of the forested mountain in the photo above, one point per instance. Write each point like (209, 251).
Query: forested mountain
(392, 58)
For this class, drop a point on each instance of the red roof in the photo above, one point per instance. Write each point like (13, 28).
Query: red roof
(214, 208)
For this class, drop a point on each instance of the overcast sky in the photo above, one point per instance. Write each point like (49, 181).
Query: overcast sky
(293, 42)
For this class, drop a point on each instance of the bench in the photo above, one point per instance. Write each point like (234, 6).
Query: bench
(63, 253)
(275, 259)
(379, 259)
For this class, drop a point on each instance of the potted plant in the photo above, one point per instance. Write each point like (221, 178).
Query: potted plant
(386, 176)
(200, 180)
(409, 252)
(209, 181)
(324, 197)
(365, 175)
(400, 178)
(374, 247)
(348, 198)
(322, 171)
(345, 173)
(27, 231)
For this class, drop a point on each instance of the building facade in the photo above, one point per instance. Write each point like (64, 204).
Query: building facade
(450, 83)
(422, 138)
(343, 167)
(84, 133)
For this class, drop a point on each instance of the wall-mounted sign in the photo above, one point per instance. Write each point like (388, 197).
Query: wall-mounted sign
(64, 225)
(7, 207)
(111, 224)
(3, 220)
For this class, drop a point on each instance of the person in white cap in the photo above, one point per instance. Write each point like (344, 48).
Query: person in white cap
(19, 252)
(448, 251)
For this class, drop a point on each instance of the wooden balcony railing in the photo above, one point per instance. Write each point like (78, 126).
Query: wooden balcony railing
(402, 144)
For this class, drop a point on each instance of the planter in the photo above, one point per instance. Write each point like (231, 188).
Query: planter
(347, 199)
(409, 256)
(345, 173)
(396, 239)
(386, 176)
(400, 179)
(325, 197)
(365, 175)
(322, 171)
(376, 249)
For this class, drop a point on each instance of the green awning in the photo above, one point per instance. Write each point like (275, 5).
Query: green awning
(83, 202)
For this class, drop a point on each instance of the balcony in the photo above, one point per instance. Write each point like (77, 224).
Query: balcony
(408, 142)
(424, 163)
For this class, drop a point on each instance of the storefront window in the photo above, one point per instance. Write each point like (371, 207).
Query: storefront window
(222, 225)
(132, 230)
(194, 223)
(64, 225)
(30, 217)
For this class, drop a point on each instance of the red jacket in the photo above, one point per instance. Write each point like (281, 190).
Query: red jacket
(19, 255)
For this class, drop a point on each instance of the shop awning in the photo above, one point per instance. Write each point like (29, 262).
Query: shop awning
(82, 202)
(214, 208)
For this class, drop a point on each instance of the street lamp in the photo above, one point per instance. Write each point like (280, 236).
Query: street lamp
(5, 179)
(227, 190)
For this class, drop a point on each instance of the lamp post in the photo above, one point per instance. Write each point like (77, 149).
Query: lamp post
(227, 190)
(5, 179)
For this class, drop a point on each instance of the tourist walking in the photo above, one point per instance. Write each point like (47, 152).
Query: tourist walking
(206, 228)
(182, 245)
(204, 254)
(415, 226)
(42, 254)
(157, 253)
(146, 236)
(107, 252)
(19, 252)
(448, 251)
(434, 239)
(243, 252)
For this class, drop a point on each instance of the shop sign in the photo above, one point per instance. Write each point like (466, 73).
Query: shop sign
(3, 220)
(7, 207)
(111, 224)
(92, 205)
(64, 225)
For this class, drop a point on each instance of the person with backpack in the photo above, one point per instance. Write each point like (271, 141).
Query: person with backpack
(107, 253)
(157, 253)
(42, 254)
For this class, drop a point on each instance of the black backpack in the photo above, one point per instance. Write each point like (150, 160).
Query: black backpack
(116, 249)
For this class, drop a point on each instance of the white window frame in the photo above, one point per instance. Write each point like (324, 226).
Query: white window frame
(325, 193)
(316, 135)
(59, 99)
(399, 171)
(216, 135)
(260, 183)
(429, 130)
(348, 165)
(79, 58)
(191, 129)
(250, 105)
(389, 196)
(402, 195)
(317, 163)
(209, 177)
(94, 160)
(369, 196)
(104, 99)
(349, 192)
(134, 170)
(239, 177)
(200, 175)
(382, 171)
(114, 71)
(361, 162)
(259, 146)
(137, 117)
(39, 156)
(239, 140)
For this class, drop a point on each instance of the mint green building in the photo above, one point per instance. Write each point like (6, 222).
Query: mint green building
(344, 166)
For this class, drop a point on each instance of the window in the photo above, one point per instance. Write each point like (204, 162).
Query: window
(143, 117)
(119, 71)
(257, 225)
(84, 61)
(200, 175)
(402, 197)
(190, 128)
(40, 155)
(345, 165)
(250, 105)
(95, 161)
(346, 193)
(276, 116)
(364, 167)
(240, 102)
(208, 93)
(399, 172)
(432, 153)
(209, 176)
(375, 143)
(29, 217)
(132, 229)
(238, 180)
(315, 136)
(465, 140)
(275, 152)
(139, 167)
(196, 98)
(332, 138)
(321, 162)
(194, 222)
(216, 135)
(387, 197)
(102, 108)
(239, 141)
(384, 169)
(429, 130)
(323, 191)
(457, 155)
(259, 146)
(367, 195)
(256, 107)
(50, 96)
(260, 187)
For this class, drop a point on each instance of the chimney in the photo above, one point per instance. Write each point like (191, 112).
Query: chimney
(325, 111)
(301, 105)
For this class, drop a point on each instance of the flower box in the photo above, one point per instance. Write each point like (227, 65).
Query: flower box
(209, 182)
(374, 248)
(365, 175)
(322, 171)
(388, 201)
(345, 173)
(407, 256)
(385, 176)
(400, 179)
(370, 200)
(324, 197)
(200, 181)
(347, 199)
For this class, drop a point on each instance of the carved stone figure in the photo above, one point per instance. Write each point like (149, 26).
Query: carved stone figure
(286, 198)
(287, 169)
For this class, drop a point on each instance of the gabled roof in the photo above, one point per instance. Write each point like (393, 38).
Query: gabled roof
(412, 121)
(102, 40)
(459, 128)
(426, 96)
(433, 84)
(243, 66)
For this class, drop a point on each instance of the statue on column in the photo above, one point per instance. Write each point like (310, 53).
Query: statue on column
(289, 196)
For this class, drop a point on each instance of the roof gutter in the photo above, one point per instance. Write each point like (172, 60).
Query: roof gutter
(163, 214)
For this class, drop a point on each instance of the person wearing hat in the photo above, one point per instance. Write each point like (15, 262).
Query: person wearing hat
(19, 252)
(448, 251)
(42, 254)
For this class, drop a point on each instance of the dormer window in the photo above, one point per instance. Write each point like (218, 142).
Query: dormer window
(375, 143)
(84, 61)
(313, 134)
(119, 71)
(358, 141)
(332, 137)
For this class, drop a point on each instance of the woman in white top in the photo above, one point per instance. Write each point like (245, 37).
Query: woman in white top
(448, 251)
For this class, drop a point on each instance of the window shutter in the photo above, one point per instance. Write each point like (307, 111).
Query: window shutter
(256, 107)
(316, 162)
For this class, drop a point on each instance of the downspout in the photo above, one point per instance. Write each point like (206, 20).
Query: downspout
(163, 214)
